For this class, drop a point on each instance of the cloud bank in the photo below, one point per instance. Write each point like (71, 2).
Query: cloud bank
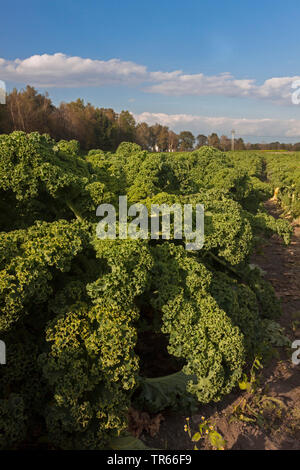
(270, 128)
(60, 70)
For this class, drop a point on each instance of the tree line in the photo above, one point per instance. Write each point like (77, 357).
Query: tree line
(103, 128)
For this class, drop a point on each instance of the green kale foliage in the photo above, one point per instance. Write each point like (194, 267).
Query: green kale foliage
(74, 308)
(283, 172)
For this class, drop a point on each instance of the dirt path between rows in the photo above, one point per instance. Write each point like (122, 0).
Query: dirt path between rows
(279, 427)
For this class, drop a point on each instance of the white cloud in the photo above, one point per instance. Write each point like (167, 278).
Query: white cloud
(200, 84)
(277, 89)
(60, 70)
(266, 127)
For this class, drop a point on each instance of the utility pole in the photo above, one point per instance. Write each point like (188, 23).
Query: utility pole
(232, 139)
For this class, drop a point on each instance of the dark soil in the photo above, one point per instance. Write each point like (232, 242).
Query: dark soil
(280, 380)
(155, 361)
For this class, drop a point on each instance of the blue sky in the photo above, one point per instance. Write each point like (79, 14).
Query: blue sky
(171, 59)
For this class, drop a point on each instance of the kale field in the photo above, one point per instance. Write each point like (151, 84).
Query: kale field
(106, 337)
